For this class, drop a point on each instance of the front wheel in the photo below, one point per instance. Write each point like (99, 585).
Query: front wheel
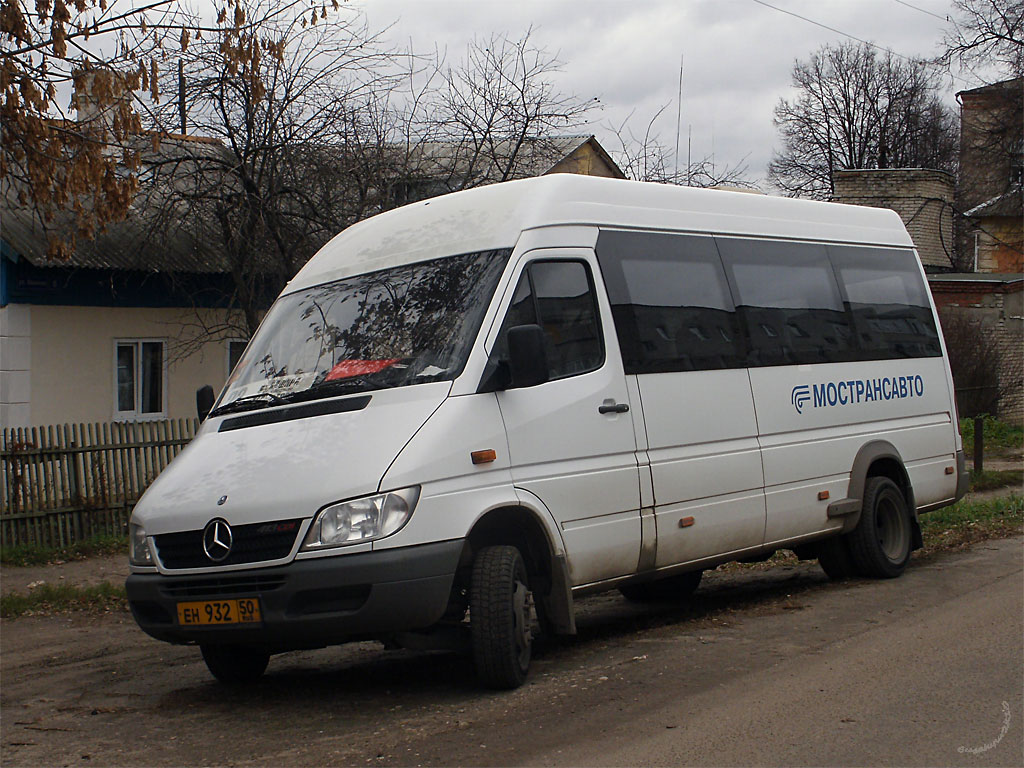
(880, 544)
(235, 664)
(501, 617)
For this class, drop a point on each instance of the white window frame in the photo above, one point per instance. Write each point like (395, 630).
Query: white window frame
(136, 414)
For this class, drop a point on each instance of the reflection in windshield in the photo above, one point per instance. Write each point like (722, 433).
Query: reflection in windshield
(407, 325)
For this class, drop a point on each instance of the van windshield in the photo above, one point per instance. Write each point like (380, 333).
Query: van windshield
(407, 325)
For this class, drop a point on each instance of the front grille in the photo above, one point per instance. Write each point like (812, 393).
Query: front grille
(177, 589)
(252, 543)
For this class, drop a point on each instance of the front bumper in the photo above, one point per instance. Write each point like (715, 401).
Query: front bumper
(308, 603)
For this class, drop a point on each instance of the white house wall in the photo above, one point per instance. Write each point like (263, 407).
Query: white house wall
(72, 350)
(15, 365)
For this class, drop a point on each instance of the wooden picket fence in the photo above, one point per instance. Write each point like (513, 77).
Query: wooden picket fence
(65, 483)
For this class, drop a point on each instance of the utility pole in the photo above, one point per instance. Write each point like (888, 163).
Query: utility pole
(181, 96)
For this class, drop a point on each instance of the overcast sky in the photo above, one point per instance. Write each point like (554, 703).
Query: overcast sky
(738, 54)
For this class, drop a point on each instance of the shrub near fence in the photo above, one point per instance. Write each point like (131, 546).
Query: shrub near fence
(66, 483)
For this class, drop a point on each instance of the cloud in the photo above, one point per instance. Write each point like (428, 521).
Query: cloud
(738, 54)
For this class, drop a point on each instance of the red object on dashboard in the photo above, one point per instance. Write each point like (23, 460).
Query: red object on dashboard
(346, 369)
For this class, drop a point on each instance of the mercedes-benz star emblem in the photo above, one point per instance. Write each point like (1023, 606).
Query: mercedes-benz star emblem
(217, 540)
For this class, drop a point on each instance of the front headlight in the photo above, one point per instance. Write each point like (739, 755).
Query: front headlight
(138, 546)
(361, 520)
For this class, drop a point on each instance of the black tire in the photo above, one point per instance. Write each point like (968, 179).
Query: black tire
(880, 544)
(235, 664)
(501, 617)
(671, 589)
(835, 559)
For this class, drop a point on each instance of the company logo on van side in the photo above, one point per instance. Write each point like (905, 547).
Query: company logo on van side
(854, 391)
(800, 396)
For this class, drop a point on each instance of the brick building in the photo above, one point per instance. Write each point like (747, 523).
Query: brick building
(993, 303)
(989, 191)
(970, 235)
(922, 197)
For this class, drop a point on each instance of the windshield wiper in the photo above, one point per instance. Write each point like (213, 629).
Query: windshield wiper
(329, 389)
(249, 403)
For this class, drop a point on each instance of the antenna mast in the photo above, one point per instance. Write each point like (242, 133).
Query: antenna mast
(679, 115)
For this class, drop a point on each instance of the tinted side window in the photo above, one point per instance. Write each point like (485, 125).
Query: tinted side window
(558, 295)
(888, 302)
(789, 302)
(670, 302)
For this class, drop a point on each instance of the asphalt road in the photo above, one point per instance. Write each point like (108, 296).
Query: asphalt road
(774, 667)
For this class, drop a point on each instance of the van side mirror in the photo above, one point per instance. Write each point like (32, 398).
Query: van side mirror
(527, 356)
(204, 401)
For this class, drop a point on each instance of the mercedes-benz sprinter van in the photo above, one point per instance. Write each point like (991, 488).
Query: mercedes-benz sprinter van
(462, 414)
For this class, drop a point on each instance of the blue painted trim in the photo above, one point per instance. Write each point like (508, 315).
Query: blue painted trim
(24, 283)
(7, 254)
(7, 251)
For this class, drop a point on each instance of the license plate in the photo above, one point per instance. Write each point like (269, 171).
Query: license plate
(219, 612)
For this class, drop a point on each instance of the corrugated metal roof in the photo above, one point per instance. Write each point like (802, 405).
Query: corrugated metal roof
(459, 162)
(149, 239)
(154, 235)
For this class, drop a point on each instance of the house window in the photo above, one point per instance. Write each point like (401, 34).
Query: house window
(140, 379)
(235, 350)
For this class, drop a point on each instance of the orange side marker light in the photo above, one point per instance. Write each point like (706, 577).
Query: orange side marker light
(950, 470)
(822, 495)
(484, 457)
(686, 522)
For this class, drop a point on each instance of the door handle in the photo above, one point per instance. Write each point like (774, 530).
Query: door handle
(610, 406)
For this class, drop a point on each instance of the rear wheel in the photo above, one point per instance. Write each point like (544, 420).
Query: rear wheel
(501, 617)
(671, 589)
(880, 544)
(235, 664)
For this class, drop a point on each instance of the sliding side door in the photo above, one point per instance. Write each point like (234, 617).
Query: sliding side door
(679, 336)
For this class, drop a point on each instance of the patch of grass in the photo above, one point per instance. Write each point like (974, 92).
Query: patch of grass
(998, 435)
(1000, 478)
(50, 598)
(967, 522)
(31, 554)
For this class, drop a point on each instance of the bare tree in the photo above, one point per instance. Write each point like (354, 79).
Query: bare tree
(498, 109)
(102, 61)
(643, 157)
(857, 109)
(986, 33)
(986, 41)
(988, 372)
(334, 127)
(290, 138)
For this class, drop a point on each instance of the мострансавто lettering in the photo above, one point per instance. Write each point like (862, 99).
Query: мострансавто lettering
(866, 390)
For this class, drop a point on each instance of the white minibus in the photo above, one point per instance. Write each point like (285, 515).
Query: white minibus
(465, 413)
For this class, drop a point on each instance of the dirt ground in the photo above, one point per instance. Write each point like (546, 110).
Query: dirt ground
(697, 684)
(764, 667)
(82, 573)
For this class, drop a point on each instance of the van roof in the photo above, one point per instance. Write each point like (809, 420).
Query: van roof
(494, 216)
